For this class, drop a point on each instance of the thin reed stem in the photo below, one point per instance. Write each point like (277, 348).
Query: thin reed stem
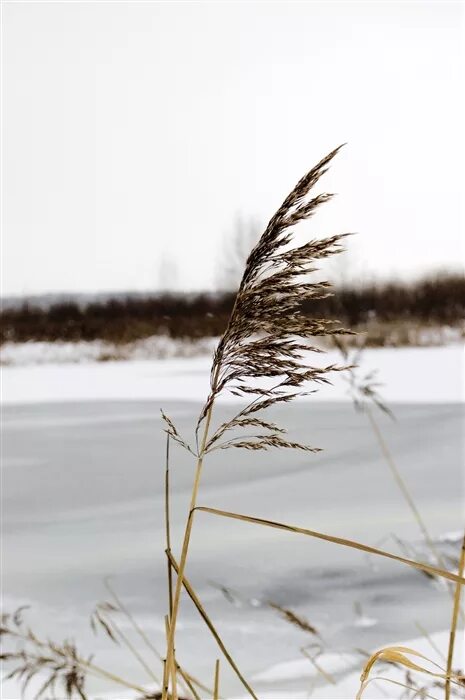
(453, 626)
(188, 682)
(165, 678)
(336, 540)
(431, 641)
(411, 503)
(327, 676)
(167, 525)
(129, 645)
(170, 669)
(146, 639)
(185, 545)
(131, 619)
(195, 599)
(403, 487)
(216, 685)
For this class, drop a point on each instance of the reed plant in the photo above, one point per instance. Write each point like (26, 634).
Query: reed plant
(263, 355)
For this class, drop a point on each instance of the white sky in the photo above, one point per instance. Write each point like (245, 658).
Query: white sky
(134, 133)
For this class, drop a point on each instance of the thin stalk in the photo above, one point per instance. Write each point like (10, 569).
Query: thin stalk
(428, 637)
(167, 524)
(193, 596)
(336, 540)
(145, 638)
(453, 626)
(127, 642)
(327, 676)
(165, 678)
(408, 497)
(194, 680)
(131, 619)
(102, 673)
(216, 685)
(187, 536)
(188, 683)
(403, 487)
(170, 669)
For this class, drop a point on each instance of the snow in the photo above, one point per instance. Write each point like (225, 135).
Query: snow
(155, 347)
(347, 680)
(329, 662)
(364, 621)
(435, 374)
(450, 537)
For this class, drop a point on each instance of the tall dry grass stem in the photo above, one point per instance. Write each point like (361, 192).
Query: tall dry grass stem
(420, 566)
(404, 488)
(216, 685)
(195, 599)
(454, 622)
(167, 525)
(102, 616)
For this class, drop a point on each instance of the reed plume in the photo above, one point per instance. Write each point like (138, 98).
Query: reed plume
(262, 351)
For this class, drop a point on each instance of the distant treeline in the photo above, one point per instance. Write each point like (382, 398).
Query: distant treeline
(119, 319)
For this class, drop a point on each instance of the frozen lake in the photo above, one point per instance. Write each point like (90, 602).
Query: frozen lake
(83, 499)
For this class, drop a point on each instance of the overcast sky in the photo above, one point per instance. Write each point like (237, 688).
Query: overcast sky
(134, 133)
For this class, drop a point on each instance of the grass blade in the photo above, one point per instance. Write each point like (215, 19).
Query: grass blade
(336, 540)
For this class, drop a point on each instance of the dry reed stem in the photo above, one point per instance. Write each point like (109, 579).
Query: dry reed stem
(453, 626)
(169, 670)
(112, 627)
(327, 676)
(362, 391)
(216, 685)
(188, 683)
(146, 639)
(409, 499)
(193, 596)
(403, 487)
(167, 525)
(336, 540)
(184, 551)
(131, 619)
(430, 640)
(172, 668)
(165, 676)
(184, 674)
